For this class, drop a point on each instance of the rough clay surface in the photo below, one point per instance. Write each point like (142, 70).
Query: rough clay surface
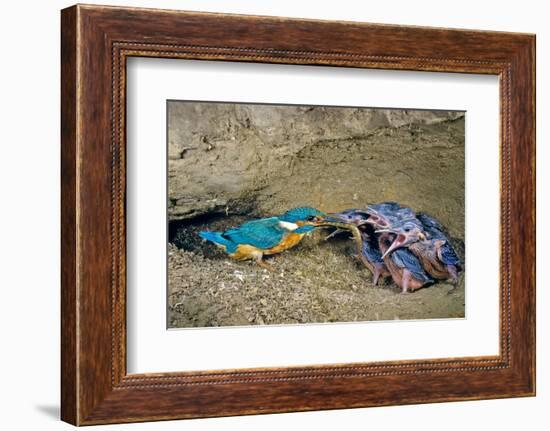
(229, 163)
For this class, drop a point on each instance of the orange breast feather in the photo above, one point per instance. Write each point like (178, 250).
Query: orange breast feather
(288, 241)
(246, 251)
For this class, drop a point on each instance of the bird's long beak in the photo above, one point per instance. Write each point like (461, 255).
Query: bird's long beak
(402, 239)
(326, 220)
(399, 241)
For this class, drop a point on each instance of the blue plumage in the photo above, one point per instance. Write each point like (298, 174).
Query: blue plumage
(300, 214)
(385, 206)
(393, 210)
(448, 255)
(429, 221)
(218, 238)
(433, 228)
(263, 233)
(391, 214)
(403, 258)
(370, 250)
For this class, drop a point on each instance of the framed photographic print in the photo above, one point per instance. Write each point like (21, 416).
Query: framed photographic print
(265, 214)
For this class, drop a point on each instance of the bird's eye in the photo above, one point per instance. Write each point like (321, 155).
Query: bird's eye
(407, 229)
(312, 218)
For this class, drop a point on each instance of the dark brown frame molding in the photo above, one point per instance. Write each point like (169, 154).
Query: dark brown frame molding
(95, 43)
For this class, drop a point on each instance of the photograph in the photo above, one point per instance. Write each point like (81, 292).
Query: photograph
(303, 214)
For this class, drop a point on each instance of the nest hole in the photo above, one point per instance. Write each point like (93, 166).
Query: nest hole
(184, 234)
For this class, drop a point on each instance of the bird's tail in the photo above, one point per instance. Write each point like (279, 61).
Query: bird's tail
(217, 238)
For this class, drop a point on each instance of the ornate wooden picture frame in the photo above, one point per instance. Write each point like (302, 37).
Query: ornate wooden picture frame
(96, 42)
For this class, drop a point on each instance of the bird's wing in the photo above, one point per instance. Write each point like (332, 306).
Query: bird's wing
(405, 213)
(263, 233)
(371, 250)
(429, 221)
(399, 256)
(432, 226)
(448, 256)
(405, 259)
(385, 206)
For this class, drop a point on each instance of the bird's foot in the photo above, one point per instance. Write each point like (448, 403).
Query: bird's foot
(453, 288)
(265, 265)
(405, 282)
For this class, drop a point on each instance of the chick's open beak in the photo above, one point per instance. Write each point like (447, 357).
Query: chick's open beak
(399, 241)
(402, 239)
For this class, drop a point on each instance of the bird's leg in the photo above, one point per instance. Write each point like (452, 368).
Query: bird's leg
(375, 275)
(405, 281)
(451, 269)
(365, 262)
(374, 270)
(259, 260)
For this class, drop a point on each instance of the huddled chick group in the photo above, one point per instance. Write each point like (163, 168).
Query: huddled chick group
(413, 248)
(392, 241)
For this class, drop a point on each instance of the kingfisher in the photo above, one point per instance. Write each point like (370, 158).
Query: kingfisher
(406, 233)
(256, 238)
(432, 247)
(404, 267)
(436, 253)
(438, 259)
